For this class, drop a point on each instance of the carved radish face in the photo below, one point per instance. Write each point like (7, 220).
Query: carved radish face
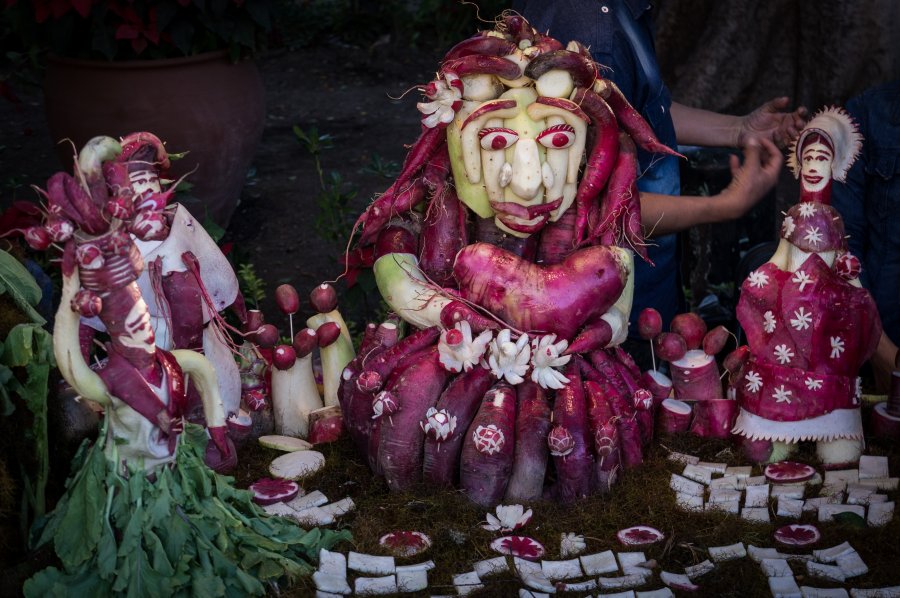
(815, 165)
(144, 183)
(524, 151)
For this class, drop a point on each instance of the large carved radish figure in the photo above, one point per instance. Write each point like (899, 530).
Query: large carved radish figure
(146, 513)
(810, 326)
(508, 241)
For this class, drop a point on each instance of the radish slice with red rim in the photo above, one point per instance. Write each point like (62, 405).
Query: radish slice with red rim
(797, 534)
(405, 543)
(520, 546)
(789, 472)
(639, 535)
(268, 491)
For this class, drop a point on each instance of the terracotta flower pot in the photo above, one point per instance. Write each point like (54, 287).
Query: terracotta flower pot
(203, 105)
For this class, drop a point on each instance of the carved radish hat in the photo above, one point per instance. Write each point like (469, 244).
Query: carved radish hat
(843, 136)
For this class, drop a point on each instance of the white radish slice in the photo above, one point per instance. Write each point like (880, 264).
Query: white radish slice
(296, 465)
(797, 534)
(678, 581)
(788, 472)
(520, 546)
(405, 543)
(287, 444)
(639, 535)
(268, 491)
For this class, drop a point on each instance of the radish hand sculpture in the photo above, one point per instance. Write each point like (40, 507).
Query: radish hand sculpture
(517, 274)
(809, 324)
(143, 514)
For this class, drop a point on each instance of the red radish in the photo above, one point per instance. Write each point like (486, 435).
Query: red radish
(388, 206)
(325, 425)
(483, 45)
(87, 303)
(570, 414)
(284, 357)
(267, 335)
(37, 238)
(691, 327)
(649, 323)
(670, 346)
(715, 340)
(378, 369)
(659, 385)
(557, 239)
(714, 418)
(602, 160)
(757, 451)
(797, 534)
(630, 119)
(604, 436)
(239, 425)
(629, 432)
(580, 67)
(255, 319)
(305, 341)
(461, 400)
(604, 363)
(287, 299)
(639, 535)
(402, 440)
(443, 235)
(674, 417)
(789, 472)
(695, 377)
(457, 311)
(594, 336)
(323, 298)
(356, 405)
(487, 455)
(487, 107)
(405, 543)
(268, 491)
(327, 333)
(474, 64)
(735, 360)
(530, 461)
(519, 546)
(557, 299)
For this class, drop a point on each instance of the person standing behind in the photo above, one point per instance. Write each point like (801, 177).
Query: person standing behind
(619, 35)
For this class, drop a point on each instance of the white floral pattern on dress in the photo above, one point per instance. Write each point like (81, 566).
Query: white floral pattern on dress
(754, 381)
(813, 235)
(801, 319)
(788, 226)
(837, 346)
(812, 383)
(769, 323)
(758, 279)
(807, 209)
(783, 354)
(802, 279)
(782, 395)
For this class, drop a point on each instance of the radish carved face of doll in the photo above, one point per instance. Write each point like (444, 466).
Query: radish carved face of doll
(816, 157)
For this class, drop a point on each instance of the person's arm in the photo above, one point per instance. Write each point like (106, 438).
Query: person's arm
(694, 126)
(750, 181)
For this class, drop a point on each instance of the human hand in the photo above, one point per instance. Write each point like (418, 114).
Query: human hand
(770, 122)
(754, 178)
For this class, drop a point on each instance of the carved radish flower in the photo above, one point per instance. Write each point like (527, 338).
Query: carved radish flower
(797, 534)
(560, 441)
(520, 546)
(438, 424)
(508, 518)
(405, 543)
(847, 266)
(59, 229)
(509, 359)
(89, 257)
(458, 351)
(545, 356)
(639, 535)
(446, 99)
(87, 303)
(643, 399)
(384, 403)
(255, 399)
(150, 225)
(37, 238)
(488, 439)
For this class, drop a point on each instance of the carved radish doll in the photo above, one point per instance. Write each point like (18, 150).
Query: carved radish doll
(143, 514)
(508, 241)
(809, 324)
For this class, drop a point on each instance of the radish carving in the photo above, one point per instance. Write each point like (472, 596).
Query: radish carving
(809, 329)
(498, 247)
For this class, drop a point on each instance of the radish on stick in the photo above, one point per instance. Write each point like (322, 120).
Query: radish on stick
(288, 302)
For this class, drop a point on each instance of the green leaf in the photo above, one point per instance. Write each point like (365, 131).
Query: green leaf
(6, 404)
(82, 523)
(213, 229)
(850, 519)
(20, 284)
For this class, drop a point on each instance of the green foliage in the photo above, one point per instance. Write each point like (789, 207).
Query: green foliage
(333, 216)
(189, 532)
(253, 288)
(388, 169)
(26, 358)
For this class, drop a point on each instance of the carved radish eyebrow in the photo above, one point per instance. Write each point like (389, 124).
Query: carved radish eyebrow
(486, 108)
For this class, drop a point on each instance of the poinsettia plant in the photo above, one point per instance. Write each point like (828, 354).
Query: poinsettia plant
(142, 29)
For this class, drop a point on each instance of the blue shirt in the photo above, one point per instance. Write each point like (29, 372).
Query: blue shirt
(869, 200)
(630, 61)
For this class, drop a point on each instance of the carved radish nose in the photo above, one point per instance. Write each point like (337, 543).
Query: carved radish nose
(526, 169)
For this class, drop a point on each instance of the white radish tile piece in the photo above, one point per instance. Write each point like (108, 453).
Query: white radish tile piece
(678, 581)
(733, 507)
(830, 555)
(713, 467)
(426, 566)
(313, 499)
(784, 587)
(827, 572)
(871, 466)
(852, 564)
(339, 508)
(813, 504)
(809, 592)
(412, 581)
(695, 571)
(756, 496)
(660, 593)
(686, 486)
(887, 592)
(489, 567)
(790, 507)
(740, 471)
(698, 474)
(757, 514)
(758, 554)
(332, 563)
(721, 554)
(730, 482)
(526, 593)
(599, 563)
(466, 583)
(581, 586)
(858, 494)
(788, 491)
(724, 495)
(775, 568)
(371, 564)
(321, 594)
(683, 458)
(757, 480)
(850, 476)
(625, 594)
(886, 484)
(880, 513)
(334, 584)
(313, 516)
(569, 569)
(629, 561)
(374, 586)
(624, 582)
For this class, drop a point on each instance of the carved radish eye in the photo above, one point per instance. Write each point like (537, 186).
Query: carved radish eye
(497, 138)
(557, 137)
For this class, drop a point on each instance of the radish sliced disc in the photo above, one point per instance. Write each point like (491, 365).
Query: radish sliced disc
(268, 491)
(287, 444)
(639, 535)
(797, 534)
(520, 546)
(405, 543)
(296, 465)
(789, 472)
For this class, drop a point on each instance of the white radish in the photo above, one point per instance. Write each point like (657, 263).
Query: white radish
(296, 465)
(335, 356)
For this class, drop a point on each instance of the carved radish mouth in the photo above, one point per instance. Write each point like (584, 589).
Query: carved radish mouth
(812, 179)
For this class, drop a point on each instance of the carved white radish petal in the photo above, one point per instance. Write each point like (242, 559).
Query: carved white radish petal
(754, 381)
(782, 395)
(405, 543)
(758, 279)
(458, 351)
(837, 346)
(813, 235)
(508, 518)
(488, 439)
(439, 425)
(801, 320)
(783, 354)
(545, 356)
(769, 322)
(571, 544)
(802, 279)
(787, 226)
(507, 359)
(807, 209)
(812, 384)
